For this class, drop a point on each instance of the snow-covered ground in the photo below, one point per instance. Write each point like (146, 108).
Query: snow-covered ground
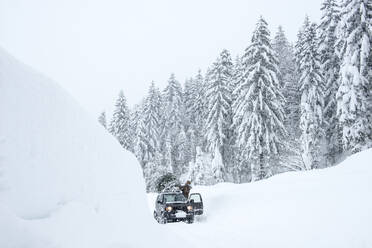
(64, 181)
(324, 208)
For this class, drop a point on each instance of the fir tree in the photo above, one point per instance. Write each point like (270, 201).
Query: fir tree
(120, 123)
(199, 108)
(237, 75)
(219, 108)
(291, 158)
(137, 132)
(194, 112)
(284, 52)
(189, 103)
(287, 77)
(233, 156)
(172, 124)
(151, 122)
(102, 119)
(354, 93)
(330, 66)
(258, 111)
(148, 145)
(184, 152)
(173, 106)
(299, 49)
(200, 171)
(312, 99)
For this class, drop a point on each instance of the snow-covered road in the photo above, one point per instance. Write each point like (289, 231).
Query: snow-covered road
(323, 208)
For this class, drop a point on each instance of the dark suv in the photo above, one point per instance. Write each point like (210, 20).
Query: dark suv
(174, 207)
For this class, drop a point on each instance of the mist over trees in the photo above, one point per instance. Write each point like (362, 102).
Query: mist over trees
(279, 107)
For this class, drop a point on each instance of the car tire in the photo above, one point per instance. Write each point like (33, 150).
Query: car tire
(190, 220)
(162, 219)
(156, 216)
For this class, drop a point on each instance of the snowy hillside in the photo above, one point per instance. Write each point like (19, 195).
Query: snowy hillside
(64, 182)
(321, 208)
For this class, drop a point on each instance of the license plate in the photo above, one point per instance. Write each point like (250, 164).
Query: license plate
(180, 214)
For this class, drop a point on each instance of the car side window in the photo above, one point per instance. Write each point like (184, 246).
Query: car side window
(196, 198)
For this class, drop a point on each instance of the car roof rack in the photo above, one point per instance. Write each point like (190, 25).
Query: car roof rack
(171, 191)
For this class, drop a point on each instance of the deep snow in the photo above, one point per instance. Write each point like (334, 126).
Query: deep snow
(322, 208)
(64, 181)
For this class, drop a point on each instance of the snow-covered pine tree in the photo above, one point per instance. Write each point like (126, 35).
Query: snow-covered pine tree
(299, 50)
(258, 110)
(153, 167)
(189, 99)
(330, 67)
(355, 85)
(194, 93)
(234, 154)
(184, 152)
(138, 131)
(172, 124)
(312, 100)
(284, 52)
(152, 173)
(291, 158)
(102, 119)
(228, 156)
(120, 123)
(199, 108)
(200, 171)
(219, 111)
(237, 75)
(151, 120)
(190, 117)
(194, 97)
(287, 77)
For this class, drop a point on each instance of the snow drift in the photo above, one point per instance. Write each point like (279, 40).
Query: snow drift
(64, 182)
(321, 208)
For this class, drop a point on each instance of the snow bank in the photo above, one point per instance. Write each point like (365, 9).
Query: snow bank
(64, 182)
(321, 208)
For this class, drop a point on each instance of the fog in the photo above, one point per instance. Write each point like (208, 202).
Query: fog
(95, 48)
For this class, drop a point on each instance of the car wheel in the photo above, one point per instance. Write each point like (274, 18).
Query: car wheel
(162, 219)
(156, 216)
(190, 220)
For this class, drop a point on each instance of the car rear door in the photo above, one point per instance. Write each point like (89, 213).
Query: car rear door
(198, 203)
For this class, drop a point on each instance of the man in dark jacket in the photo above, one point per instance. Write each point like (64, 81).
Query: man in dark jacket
(186, 189)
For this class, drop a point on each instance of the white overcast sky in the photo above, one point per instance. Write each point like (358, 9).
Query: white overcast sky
(95, 48)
